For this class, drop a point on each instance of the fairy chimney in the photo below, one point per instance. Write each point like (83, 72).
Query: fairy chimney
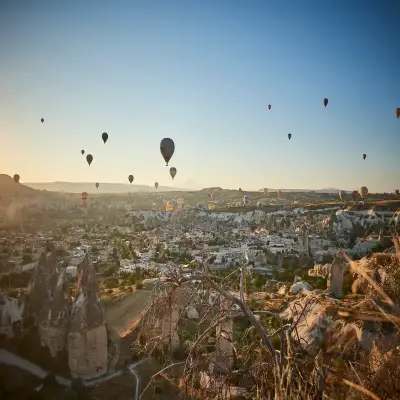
(54, 325)
(87, 336)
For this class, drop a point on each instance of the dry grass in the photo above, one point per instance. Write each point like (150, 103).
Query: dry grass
(267, 359)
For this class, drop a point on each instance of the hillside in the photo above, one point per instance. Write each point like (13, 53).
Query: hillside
(9, 189)
(89, 187)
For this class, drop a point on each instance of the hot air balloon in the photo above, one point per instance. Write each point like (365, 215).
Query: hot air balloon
(89, 159)
(180, 202)
(363, 191)
(167, 148)
(97, 185)
(84, 198)
(16, 178)
(42, 120)
(354, 195)
(104, 136)
(364, 156)
(172, 172)
(82, 152)
(325, 102)
(289, 136)
(156, 185)
(341, 195)
(269, 106)
(396, 192)
(397, 112)
(169, 207)
(130, 178)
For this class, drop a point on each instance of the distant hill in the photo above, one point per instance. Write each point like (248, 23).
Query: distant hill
(10, 189)
(89, 187)
(327, 190)
(191, 185)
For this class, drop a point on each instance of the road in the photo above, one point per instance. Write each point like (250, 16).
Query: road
(120, 314)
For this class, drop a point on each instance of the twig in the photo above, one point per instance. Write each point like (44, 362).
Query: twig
(159, 373)
(361, 389)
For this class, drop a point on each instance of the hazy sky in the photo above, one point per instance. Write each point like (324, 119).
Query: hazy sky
(203, 73)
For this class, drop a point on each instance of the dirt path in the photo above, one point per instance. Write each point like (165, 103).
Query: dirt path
(120, 314)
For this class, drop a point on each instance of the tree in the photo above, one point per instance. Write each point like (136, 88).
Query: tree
(110, 270)
(259, 281)
(26, 259)
(111, 282)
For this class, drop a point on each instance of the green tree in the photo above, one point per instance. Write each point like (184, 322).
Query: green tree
(111, 282)
(110, 270)
(259, 281)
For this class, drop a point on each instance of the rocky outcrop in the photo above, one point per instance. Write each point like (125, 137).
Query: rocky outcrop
(383, 269)
(11, 312)
(320, 270)
(300, 286)
(39, 293)
(312, 322)
(335, 278)
(53, 328)
(87, 336)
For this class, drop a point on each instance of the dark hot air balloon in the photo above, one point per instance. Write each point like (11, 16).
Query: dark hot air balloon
(167, 148)
(16, 178)
(82, 152)
(363, 191)
(42, 120)
(269, 106)
(325, 102)
(104, 136)
(89, 159)
(156, 185)
(397, 112)
(397, 192)
(172, 172)
(130, 178)
(97, 185)
(289, 136)
(364, 156)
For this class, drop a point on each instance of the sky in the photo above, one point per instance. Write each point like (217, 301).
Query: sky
(202, 73)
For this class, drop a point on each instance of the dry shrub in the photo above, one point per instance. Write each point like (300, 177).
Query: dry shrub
(343, 371)
(384, 269)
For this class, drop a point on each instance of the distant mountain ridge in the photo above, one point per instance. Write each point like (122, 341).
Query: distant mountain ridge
(327, 190)
(79, 187)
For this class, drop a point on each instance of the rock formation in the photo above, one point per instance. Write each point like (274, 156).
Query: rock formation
(54, 326)
(87, 336)
(39, 293)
